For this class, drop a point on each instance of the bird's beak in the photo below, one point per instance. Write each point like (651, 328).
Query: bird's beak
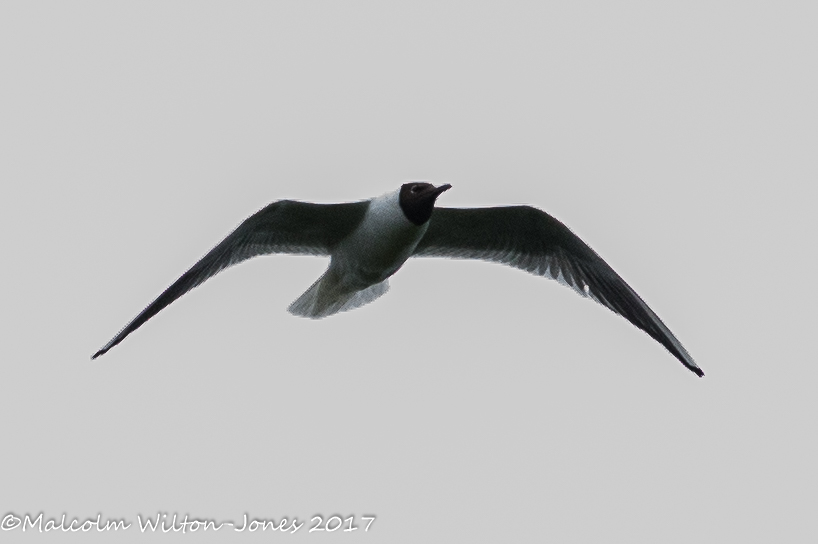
(441, 189)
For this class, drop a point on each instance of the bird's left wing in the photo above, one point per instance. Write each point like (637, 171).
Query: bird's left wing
(530, 239)
(285, 226)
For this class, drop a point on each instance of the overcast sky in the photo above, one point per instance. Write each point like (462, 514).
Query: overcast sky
(473, 402)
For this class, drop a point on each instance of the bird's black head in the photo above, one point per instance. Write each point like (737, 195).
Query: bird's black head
(418, 199)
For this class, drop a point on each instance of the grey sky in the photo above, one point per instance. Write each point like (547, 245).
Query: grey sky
(677, 141)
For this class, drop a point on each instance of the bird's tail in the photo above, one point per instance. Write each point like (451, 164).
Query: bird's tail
(325, 297)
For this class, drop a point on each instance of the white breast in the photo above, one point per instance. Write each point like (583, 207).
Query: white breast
(380, 245)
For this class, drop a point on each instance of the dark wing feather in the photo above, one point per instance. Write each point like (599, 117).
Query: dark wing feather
(532, 240)
(281, 227)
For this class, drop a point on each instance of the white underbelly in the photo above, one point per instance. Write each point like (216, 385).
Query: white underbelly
(379, 247)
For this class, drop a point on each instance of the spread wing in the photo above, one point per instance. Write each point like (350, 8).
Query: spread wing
(281, 227)
(530, 239)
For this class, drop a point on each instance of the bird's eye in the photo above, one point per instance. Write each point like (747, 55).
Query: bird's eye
(416, 188)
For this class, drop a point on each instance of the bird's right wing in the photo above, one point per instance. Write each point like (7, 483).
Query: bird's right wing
(285, 226)
(530, 239)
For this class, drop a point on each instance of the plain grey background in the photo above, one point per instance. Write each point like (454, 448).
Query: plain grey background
(473, 402)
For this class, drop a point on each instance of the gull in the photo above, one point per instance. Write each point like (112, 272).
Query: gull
(369, 240)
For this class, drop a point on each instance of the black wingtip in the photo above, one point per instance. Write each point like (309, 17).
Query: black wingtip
(97, 354)
(698, 371)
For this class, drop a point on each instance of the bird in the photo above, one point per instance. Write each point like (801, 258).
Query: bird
(369, 240)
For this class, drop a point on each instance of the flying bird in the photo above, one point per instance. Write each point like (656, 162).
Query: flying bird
(368, 241)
